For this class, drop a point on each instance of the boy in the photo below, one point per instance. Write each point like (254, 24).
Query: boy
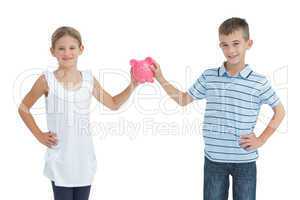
(234, 95)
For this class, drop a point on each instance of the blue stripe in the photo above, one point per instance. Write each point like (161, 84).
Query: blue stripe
(214, 70)
(226, 126)
(265, 83)
(221, 132)
(237, 78)
(234, 84)
(219, 138)
(190, 91)
(231, 160)
(249, 74)
(266, 99)
(272, 104)
(214, 145)
(210, 116)
(231, 105)
(265, 91)
(231, 112)
(193, 94)
(254, 81)
(201, 84)
(232, 91)
(217, 152)
(256, 75)
(234, 98)
(198, 90)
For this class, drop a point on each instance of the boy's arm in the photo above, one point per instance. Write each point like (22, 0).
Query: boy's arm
(181, 98)
(274, 123)
(114, 102)
(251, 142)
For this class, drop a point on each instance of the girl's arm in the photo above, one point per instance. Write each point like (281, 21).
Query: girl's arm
(114, 102)
(38, 89)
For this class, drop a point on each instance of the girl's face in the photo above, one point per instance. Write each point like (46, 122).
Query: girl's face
(66, 50)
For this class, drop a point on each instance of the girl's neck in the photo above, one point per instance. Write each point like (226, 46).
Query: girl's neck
(67, 70)
(66, 73)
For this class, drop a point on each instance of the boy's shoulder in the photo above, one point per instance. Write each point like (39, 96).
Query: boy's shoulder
(257, 77)
(213, 71)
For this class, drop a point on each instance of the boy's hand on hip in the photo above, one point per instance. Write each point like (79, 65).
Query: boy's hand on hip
(250, 142)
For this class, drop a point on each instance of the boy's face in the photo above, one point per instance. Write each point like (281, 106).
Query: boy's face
(234, 47)
(66, 51)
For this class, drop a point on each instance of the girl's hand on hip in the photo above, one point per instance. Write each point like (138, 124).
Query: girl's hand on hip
(48, 139)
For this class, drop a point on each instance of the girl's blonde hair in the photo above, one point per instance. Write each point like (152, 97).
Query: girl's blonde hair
(63, 31)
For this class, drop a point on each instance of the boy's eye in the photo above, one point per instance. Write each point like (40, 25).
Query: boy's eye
(236, 43)
(61, 48)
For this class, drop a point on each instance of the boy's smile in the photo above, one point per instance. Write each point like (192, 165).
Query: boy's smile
(234, 48)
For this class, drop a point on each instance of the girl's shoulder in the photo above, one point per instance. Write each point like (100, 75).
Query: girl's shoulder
(42, 81)
(40, 86)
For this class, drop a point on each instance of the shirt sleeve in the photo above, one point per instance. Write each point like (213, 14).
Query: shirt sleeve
(198, 89)
(267, 94)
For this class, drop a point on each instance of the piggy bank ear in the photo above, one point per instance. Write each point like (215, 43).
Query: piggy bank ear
(149, 60)
(133, 62)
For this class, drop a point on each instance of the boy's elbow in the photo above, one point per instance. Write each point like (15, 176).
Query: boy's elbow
(280, 112)
(283, 113)
(184, 99)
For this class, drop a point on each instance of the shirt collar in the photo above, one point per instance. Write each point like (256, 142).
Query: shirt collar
(245, 73)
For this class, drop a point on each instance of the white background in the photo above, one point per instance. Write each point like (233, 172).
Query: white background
(162, 157)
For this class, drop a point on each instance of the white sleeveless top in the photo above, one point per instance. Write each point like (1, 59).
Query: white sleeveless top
(72, 162)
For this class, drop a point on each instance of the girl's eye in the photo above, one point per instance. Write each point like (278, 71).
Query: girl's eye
(235, 44)
(60, 49)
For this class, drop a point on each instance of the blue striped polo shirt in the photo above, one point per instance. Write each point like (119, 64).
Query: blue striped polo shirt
(232, 107)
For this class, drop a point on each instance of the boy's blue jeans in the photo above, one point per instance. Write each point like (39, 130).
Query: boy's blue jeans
(216, 180)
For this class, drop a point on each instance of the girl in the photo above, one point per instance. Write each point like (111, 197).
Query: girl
(70, 159)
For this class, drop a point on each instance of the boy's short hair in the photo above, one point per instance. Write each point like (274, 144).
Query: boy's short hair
(234, 24)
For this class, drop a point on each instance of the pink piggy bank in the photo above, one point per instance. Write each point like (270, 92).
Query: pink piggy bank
(141, 70)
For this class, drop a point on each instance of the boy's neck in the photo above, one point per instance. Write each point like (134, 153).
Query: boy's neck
(234, 69)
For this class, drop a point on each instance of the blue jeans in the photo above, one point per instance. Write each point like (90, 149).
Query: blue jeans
(71, 193)
(216, 180)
